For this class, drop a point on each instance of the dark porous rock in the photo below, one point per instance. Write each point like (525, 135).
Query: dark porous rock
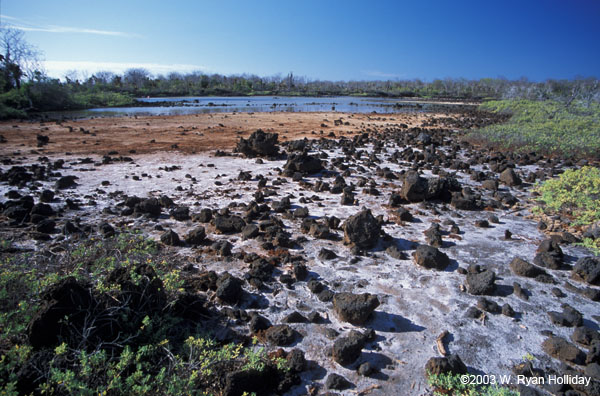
(431, 258)
(519, 292)
(482, 283)
(593, 355)
(258, 323)
(510, 178)
(337, 382)
(250, 231)
(301, 213)
(229, 224)
(47, 196)
(348, 348)
(204, 216)
(490, 184)
(362, 230)
(354, 308)
(170, 237)
(315, 286)
(473, 313)
(326, 254)
(222, 247)
(252, 381)
(396, 253)
(569, 317)
(66, 182)
(507, 310)
(295, 317)
(366, 369)
(229, 289)
(280, 335)
(433, 235)
(587, 269)
(196, 236)
(258, 144)
(42, 209)
(107, 230)
(68, 298)
(593, 231)
(47, 226)
(561, 349)
(414, 187)
(585, 336)
(180, 213)
(488, 305)
(448, 364)
(404, 215)
(523, 268)
(302, 163)
(593, 370)
(300, 271)
(548, 260)
(150, 206)
(325, 295)
(296, 361)
(482, 223)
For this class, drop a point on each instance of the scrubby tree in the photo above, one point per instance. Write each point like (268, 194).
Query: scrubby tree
(18, 58)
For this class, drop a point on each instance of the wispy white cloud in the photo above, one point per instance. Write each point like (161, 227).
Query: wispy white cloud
(380, 74)
(58, 69)
(21, 24)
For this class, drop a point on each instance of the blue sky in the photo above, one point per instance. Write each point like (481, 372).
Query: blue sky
(330, 40)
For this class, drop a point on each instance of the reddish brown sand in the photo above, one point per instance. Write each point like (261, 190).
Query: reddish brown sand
(190, 133)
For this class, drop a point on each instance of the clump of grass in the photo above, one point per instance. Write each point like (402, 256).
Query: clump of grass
(575, 194)
(545, 127)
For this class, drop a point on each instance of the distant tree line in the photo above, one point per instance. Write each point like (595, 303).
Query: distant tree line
(25, 88)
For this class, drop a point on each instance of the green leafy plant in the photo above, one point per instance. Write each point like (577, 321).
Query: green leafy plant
(545, 127)
(451, 384)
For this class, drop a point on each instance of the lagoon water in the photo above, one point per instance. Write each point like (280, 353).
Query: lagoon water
(248, 104)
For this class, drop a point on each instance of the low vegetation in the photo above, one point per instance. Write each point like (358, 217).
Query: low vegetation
(571, 129)
(135, 337)
(449, 384)
(575, 194)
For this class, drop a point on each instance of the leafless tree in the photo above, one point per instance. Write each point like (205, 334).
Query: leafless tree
(19, 59)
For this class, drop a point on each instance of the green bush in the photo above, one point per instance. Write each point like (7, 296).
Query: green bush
(576, 194)
(546, 127)
(449, 384)
(159, 353)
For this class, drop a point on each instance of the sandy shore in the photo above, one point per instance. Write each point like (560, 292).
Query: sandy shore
(190, 133)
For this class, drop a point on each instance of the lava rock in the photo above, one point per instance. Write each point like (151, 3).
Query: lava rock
(348, 348)
(229, 224)
(431, 258)
(448, 364)
(354, 308)
(303, 163)
(337, 382)
(229, 289)
(259, 144)
(170, 237)
(561, 349)
(587, 269)
(362, 230)
(482, 283)
(510, 178)
(196, 236)
(280, 335)
(523, 268)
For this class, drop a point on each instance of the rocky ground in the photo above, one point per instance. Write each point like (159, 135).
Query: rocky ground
(372, 250)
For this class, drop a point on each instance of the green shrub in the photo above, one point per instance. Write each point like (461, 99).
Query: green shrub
(159, 353)
(576, 194)
(449, 384)
(546, 127)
